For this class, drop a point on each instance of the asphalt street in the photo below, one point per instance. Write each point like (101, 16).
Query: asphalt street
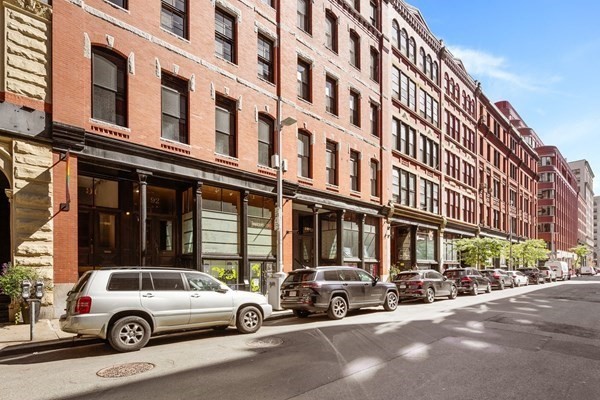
(536, 342)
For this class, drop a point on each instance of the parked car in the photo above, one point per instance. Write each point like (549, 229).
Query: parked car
(424, 284)
(519, 278)
(533, 274)
(560, 268)
(548, 274)
(335, 290)
(498, 278)
(468, 280)
(586, 270)
(128, 305)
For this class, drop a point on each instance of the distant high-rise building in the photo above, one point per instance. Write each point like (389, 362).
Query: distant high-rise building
(585, 182)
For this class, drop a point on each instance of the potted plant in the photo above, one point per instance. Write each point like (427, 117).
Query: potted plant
(11, 277)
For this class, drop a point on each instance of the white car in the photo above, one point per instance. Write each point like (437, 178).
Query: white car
(127, 305)
(519, 278)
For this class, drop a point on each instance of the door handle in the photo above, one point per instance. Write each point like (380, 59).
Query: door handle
(196, 295)
(344, 284)
(148, 295)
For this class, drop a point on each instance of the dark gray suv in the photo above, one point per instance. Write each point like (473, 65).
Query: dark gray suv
(335, 290)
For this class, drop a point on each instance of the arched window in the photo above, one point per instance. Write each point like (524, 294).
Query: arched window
(265, 140)
(354, 49)
(404, 42)
(464, 100)
(428, 66)
(109, 86)
(446, 84)
(331, 36)
(452, 88)
(457, 92)
(412, 50)
(434, 72)
(395, 34)
(422, 59)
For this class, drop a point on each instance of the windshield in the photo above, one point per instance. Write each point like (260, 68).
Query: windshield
(304, 276)
(408, 276)
(453, 274)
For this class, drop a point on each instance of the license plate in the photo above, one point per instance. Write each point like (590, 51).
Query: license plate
(292, 293)
(402, 286)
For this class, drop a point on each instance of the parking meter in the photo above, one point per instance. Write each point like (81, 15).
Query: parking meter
(25, 289)
(39, 290)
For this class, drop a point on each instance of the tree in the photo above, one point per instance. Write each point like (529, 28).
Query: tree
(475, 251)
(580, 251)
(530, 251)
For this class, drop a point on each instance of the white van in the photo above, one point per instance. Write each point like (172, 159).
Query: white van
(560, 268)
(585, 270)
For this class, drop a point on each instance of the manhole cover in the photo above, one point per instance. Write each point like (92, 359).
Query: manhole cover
(265, 342)
(123, 370)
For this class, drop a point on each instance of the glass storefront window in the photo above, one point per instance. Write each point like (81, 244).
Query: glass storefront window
(351, 235)
(370, 239)
(187, 222)
(226, 271)
(166, 236)
(261, 237)
(220, 221)
(161, 201)
(329, 237)
(107, 230)
(425, 244)
(97, 192)
(403, 246)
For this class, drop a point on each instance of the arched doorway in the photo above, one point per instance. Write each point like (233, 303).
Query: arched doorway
(5, 244)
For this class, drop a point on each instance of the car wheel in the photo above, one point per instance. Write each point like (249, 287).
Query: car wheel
(501, 286)
(249, 320)
(453, 292)
(488, 289)
(512, 284)
(129, 334)
(475, 290)
(429, 296)
(338, 308)
(391, 301)
(301, 313)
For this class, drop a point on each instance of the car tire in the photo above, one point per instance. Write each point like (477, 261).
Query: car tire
(512, 284)
(129, 334)
(488, 289)
(301, 313)
(338, 308)
(249, 320)
(391, 301)
(501, 285)
(453, 292)
(475, 290)
(429, 296)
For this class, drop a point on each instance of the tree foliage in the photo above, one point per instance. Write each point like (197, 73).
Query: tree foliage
(580, 251)
(530, 252)
(477, 251)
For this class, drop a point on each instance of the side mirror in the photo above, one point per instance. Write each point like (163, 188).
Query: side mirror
(375, 280)
(445, 278)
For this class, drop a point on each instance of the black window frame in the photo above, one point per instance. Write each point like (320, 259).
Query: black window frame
(331, 101)
(221, 37)
(177, 85)
(305, 137)
(304, 85)
(229, 106)
(265, 62)
(266, 144)
(354, 111)
(354, 49)
(331, 163)
(120, 92)
(167, 7)
(331, 21)
(120, 3)
(354, 170)
(303, 21)
(374, 178)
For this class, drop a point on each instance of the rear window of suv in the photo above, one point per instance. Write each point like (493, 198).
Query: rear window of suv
(124, 281)
(296, 277)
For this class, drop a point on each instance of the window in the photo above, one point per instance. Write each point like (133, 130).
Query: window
(303, 80)
(407, 91)
(174, 103)
(374, 14)
(354, 171)
(452, 204)
(331, 95)
(396, 82)
(304, 154)
(225, 35)
(374, 178)
(268, 2)
(404, 187)
(225, 127)
(167, 281)
(395, 34)
(303, 15)
(331, 163)
(173, 17)
(120, 3)
(429, 196)
(354, 108)
(428, 107)
(429, 152)
(127, 281)
(265, 58)
(374, 72)
(404, 138)
(331, 36)
(354, 49)
(357, 5)
(374, 116)
(404, 42)
(265, 140)
(109, 91)
(411, 52)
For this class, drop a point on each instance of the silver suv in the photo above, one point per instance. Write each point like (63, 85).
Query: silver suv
(335, 290)
(127, 305)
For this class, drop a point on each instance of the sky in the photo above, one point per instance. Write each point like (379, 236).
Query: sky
(540, 55)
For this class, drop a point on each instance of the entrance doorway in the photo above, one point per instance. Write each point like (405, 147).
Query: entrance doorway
(5, 244)
(160, 242)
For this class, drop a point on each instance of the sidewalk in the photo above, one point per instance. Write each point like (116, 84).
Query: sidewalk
(14, 339)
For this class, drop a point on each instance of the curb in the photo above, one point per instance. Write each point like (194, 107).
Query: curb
(56, 344)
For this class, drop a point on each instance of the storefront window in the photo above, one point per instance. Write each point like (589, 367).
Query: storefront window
(107, 230)
(261, 238)
(450, 251)
(187, 222)
(224, 270)
(161, 200)
(425, 244)
(220, 221)
(351, 236)
(403, 246)
(329, 237)
(97, 192)
(370, 239)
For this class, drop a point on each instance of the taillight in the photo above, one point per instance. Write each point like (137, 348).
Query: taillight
(83, 305)
(465, 279)
(311, 285)
(496, 275)
(418, 284)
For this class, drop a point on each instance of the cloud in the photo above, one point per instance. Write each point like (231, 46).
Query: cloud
(482, 65)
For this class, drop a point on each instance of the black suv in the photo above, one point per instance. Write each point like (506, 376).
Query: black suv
(469, 280)
(533, 274)
(498, 278)
(335, 290)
